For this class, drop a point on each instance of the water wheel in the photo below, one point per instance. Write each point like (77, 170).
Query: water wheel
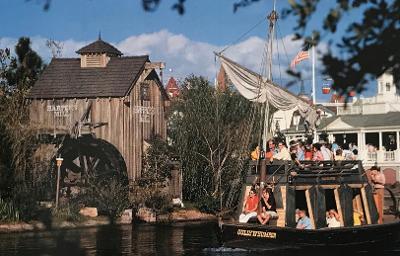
(86, 158)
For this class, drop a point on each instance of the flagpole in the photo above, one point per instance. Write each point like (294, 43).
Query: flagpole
(314, 92)
(313, 75)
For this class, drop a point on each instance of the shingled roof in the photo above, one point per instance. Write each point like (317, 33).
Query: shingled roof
(99, 46)
(357, 121)
(64, 78)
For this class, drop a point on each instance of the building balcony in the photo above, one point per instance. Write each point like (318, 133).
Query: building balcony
(380, 157)
(349, 110)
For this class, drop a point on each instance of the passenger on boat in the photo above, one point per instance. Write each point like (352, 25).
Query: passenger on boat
(297, 215)
(268, 207)
(317, 154)
(378, 179)
(283, 152)
(355, 154)
(255, 154)
(304, 222)
(347, 153)
(339, 155)
(326, 152)
(293, 156)
(300, 151)
(335, 146)
(249, 207)
(271, 149)
(308, 154)
(332, 219)
(358, 218)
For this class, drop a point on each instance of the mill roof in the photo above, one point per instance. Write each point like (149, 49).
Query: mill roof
(64, 78)
(99, 46)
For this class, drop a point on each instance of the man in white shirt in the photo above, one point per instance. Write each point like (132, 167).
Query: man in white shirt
(283, 153)
(326, 153)
(333, 219)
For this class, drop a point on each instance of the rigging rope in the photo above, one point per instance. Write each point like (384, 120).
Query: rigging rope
(243, 35)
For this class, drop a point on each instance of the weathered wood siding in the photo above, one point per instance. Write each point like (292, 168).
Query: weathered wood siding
(125, 128)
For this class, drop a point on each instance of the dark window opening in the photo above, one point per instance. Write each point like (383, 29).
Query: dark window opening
(388, 87)
(389, 140)
(372, 138)
(330, 201)
(301, 202)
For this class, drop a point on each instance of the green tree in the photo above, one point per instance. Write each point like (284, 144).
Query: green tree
(210, 131)
(17, 75)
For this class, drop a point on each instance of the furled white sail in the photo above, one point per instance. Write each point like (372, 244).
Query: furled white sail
(256, 88)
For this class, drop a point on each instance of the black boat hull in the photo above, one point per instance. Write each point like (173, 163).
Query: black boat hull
(361, 238)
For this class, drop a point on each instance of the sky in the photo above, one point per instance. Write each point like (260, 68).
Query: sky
(185, 43)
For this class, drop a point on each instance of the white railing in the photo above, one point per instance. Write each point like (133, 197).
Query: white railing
(372, 156)
(380, 156)
(349, 110)
(389, 156)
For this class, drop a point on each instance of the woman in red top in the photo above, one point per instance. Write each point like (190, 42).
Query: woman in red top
(317, 154)
(249, 207)
(308, 154)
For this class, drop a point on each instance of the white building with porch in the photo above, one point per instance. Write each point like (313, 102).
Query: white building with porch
(373, 124)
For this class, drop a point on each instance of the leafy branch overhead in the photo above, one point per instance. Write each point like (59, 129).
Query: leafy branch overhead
(370, 45)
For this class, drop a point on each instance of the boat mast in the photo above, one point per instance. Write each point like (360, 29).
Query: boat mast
(272, 17)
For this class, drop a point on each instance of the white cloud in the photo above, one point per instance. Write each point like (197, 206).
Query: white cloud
(185, 56)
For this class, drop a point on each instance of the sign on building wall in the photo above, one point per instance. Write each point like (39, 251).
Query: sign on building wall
(62, 110)
(145, 113)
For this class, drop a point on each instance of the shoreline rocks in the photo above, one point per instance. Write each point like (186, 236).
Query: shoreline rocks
(148, 216)
(57, 224)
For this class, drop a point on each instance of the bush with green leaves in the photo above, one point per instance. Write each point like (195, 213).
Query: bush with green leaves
(208, 205)
(68, 211)
(8, 212)
(109, 195)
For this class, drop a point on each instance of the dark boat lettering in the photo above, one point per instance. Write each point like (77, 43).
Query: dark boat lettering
(256, 233)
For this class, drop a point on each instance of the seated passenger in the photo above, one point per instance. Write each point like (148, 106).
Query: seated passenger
(317, 154)
(339, 155)
(271, 150)
(268, 205)
(249, 207)
(293, 155)
(332, 219)
(297, 215)
(308, 154)
(304, 222)
(255, 155)
(358, 218)
(283, 153)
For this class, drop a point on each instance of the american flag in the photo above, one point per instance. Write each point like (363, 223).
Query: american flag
(302, 55)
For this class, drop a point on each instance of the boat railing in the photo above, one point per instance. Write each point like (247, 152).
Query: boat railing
(311, 171)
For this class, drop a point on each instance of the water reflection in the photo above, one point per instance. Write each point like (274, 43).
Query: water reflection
(178, 239)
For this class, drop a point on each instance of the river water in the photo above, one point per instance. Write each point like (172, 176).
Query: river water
(140, 239)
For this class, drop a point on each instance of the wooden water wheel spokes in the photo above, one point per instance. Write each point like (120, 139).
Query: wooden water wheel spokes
(87, 157)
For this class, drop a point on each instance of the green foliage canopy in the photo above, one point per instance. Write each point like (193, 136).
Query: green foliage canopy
(211, 131)
(17, 75)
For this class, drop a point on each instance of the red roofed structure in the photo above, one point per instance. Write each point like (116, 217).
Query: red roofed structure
(172, 88)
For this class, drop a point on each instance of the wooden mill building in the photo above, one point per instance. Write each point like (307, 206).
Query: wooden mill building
(118, 101)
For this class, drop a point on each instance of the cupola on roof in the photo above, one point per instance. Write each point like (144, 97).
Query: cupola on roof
(99, 46)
